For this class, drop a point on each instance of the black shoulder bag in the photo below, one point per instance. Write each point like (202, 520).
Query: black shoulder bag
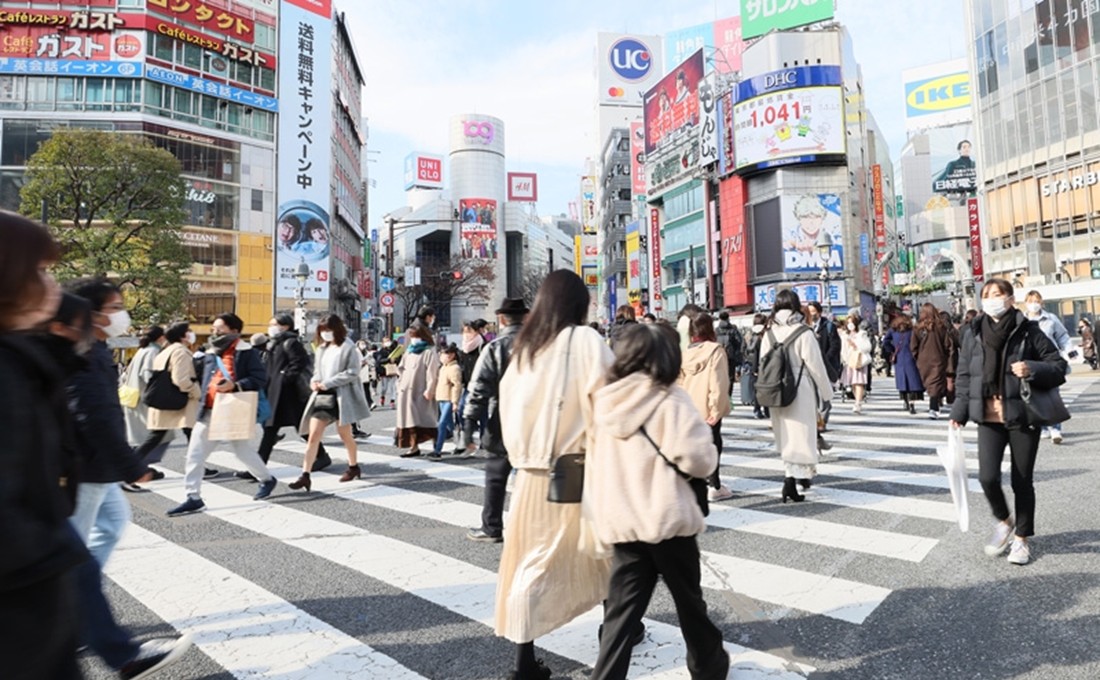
(162, 394)
(567, 470)
(698, 486)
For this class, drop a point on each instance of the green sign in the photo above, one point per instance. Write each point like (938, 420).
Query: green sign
(760, 16)
(901, 207)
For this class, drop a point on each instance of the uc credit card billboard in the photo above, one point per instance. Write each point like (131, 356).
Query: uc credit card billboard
(937, 95)
(627, 66)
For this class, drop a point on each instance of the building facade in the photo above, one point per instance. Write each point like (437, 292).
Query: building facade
(1035, 68)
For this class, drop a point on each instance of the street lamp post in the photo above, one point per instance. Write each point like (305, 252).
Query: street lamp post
(824, 246)
(301, 275)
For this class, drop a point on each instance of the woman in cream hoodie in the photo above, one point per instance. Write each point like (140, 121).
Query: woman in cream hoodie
(705, 375)
(648, 435)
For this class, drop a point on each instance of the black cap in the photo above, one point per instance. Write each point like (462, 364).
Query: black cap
(512, 307)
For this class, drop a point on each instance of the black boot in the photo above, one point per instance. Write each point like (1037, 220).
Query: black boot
(805, 483)
(791, 491)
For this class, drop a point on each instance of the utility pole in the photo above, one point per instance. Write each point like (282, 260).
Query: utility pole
(391, 225)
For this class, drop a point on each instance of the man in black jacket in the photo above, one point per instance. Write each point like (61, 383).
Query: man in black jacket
(828, 339)
(729, 337)
(481, 401)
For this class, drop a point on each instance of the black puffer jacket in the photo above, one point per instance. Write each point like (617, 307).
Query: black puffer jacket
(484, 390)
(289, 368)
(1026, 343)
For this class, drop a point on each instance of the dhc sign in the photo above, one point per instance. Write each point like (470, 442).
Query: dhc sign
(630, 59)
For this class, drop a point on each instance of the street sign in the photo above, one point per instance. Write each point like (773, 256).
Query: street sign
(387, 283)
(386, 310)
(366, 316)
(386, 300)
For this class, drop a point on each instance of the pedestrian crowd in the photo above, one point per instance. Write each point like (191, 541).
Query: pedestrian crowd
(612, 441)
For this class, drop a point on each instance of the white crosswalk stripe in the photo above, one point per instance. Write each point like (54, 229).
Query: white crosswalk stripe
(880, 498)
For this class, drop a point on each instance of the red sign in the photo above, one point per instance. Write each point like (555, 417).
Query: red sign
(977, 268)
(637, 159)
(37, 42)
(386, 299)
(655, 285)
(731, 217)
(209, 17)
(61, 19)
(322, 7)
(366, 286)
(225, 48)
(523, 186)
(879, 207)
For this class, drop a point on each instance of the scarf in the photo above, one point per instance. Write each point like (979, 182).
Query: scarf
(418, 346)
(994, 338)
(220, 343)
(471, 345)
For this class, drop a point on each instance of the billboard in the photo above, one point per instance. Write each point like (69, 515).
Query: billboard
(762, 16)
(937, 95)
(726, 160)
(34, 42)
(671, 107)
(734, 250)
(218, 20)
(708, 129)
(523, 187)
(423, 171)
(959, 175)
(634, 262)
(809, 291)
(878, 203)
(977, 268)
(803, 217)
(721, 39)
(303, 171)
(656, 285)
(791, 116)
(627, 66)
(588, 204)
(479, 227)
(637, 159)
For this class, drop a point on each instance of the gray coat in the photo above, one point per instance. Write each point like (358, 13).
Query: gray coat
(350, 398)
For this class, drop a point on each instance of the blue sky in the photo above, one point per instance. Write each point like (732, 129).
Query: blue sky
(532, 64)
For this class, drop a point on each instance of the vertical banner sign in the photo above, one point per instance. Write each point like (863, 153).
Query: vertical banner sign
(633, 262)
(731, 217)
(655, 285)
(708, 129)
(637, 159)
(976, 266)
(303, 175)
(879, 211)
(612, 295)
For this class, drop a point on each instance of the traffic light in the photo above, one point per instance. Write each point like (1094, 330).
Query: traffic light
(456, 276)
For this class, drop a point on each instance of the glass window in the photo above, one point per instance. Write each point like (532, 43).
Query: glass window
(267, 79)
(264, 37)
(68, 89)
(40, 93)
(163, 46)
(130, 3)
(192, 57)
(1038, 125)
(1069, 103)
(243, 72)
(1086, 96)
(258, 200)
(1054, 107)
(182, 102)
(1022, 124)
(209, 110)
(127, 91)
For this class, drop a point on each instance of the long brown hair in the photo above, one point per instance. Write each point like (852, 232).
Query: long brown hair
(336, 325)
(27, 246)
(929, 318)
(562, 301)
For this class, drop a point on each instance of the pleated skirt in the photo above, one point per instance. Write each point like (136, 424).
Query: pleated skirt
(545, 581)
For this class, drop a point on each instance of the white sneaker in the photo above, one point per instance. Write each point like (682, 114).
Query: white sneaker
(1019, 553)
(719, 494)
(1056, 436)
(934, 415)
(857, 409)
(1002, 534)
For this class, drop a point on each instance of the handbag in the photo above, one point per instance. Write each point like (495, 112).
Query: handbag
(162, 394)
(263, 404)
(129, 396)
(324, 402)
(1044, 407)
(567, 470)
(234, 416)
(391, 370)
(698, 486)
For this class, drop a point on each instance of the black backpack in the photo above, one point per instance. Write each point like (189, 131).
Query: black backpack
(776, 383)
(729, 338)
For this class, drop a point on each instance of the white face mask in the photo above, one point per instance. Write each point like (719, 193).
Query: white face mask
(995, 307)
(272, 331)
(328, 336)
(190, 337)
(757, 328)
(1033, 308)
(117, 323)
(851, 327)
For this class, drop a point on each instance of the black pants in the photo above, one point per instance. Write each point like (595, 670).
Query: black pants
(934, 403)
(1023, 445)
(366, 392)
(38, 624)
(497, 469)
(151, 452)
(716, 432)
(634, 572)
(271, 435)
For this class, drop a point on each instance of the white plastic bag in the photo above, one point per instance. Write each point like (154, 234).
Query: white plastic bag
(953, 457)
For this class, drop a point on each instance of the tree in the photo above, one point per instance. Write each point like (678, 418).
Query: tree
(440, 286)
(530, 283)
(115, 203)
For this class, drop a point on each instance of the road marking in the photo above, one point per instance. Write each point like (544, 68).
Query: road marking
(862, 474)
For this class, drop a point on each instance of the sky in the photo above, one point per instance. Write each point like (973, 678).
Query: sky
(532, 64)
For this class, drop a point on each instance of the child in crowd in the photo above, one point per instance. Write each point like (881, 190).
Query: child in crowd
(447, 393)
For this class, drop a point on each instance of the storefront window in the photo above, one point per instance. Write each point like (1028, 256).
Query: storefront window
(211, 204)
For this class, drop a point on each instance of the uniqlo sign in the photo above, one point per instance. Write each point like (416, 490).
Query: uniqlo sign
(523, 186)
(977, 267)
(423, 171)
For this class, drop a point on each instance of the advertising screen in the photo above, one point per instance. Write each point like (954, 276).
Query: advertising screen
(479, 227)
(791, 116)
(588, 204)
(803, 218)
(761, 16)
(671, 107)
(634, 262)
(937, 95)
(721, 39)
(958, 175)
(637, 159)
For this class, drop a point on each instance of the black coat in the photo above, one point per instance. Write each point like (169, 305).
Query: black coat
(38, 484)
(289, 368)
(484, 391)
(1027, 342)
(828, 339)
(100, 426)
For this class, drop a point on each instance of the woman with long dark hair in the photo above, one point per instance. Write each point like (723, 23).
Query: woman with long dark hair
(931, 347)
(704, 374)
(1002, 351)
(136, 377)
(176, 359)
(337, 397)
(557, 366)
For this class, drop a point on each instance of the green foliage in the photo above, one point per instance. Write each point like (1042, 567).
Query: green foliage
(115, 203)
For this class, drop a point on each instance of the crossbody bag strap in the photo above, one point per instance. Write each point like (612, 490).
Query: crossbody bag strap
(561, 397)
(662, 455)
(223, 369)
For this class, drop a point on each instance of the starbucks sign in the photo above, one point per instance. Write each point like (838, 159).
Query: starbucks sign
(761, 16)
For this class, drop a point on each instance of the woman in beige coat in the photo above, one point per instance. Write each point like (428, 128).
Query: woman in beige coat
(557, 365)
(795, 426)
(705, 375)
(176, 359)
(648, 439)
(417, 374)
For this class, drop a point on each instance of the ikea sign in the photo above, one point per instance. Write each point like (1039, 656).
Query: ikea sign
(938, 95)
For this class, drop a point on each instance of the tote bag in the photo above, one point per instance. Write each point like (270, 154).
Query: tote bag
(234, 416)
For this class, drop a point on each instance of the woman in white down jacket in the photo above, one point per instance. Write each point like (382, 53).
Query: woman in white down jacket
(648, 435)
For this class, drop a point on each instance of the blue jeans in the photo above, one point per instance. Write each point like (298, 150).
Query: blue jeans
(1047, 431)
(446, 424)
(98, 628)
(102, 513)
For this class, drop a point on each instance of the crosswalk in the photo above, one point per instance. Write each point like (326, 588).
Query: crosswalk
(374, 578)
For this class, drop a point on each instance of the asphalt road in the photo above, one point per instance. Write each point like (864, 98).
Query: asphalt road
(869, 579)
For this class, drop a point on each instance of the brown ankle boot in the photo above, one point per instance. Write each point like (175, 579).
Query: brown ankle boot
(351, 473)
(303, 482)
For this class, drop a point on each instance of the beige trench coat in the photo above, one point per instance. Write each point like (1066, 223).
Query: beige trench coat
(177, 359)
(417, 374)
